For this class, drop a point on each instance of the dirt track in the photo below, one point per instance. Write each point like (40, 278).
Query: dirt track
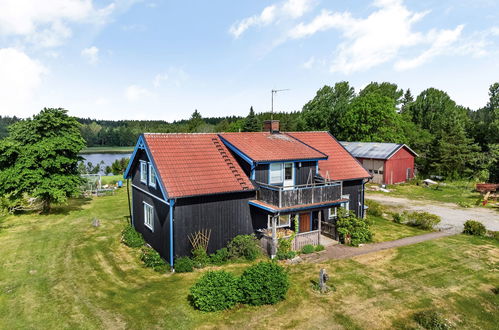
(453, 216)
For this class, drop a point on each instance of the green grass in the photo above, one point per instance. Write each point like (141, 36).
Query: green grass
(112, 179)
(386, 230)
(57, 271)
(451, 192)
(107, 150)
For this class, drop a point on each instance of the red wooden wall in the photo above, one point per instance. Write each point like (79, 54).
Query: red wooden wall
(396, 167)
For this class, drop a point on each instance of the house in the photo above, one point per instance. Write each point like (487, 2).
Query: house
(240, 183)
(388, 163)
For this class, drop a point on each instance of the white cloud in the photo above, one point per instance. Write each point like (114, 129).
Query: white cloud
(174, 75)
(91, 54)
(20, 77)
(134, 93)
(159, 78)
(378, 38)
(289, 9)
(309, 63)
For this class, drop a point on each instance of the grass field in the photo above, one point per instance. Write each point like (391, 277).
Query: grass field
(451, 192)
(107, 150)
(386, 230)
(57, 271)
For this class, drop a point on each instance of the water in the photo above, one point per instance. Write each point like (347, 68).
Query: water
(108, 159)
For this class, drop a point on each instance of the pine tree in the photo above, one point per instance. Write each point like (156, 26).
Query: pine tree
(251, 123)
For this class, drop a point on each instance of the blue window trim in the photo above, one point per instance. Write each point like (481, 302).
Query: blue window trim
(151, 169)
(142, 145)
(151, 227)
(141, 164)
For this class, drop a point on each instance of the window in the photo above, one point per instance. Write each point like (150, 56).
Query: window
(288, 171)
(149, 216)
(333, 212)
(380, 172)
(275, 173)
(282, 221)
(346, 205)
(375, 171)
(152, 176)
(143, 172)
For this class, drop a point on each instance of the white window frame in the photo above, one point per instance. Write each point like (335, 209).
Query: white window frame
(152, 176)
(346, 205)
(333, 215)
(280, 171)
(149, 208)
(143, 172)
(278, 225)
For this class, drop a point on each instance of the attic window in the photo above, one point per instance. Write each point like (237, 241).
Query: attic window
(143, 172)
(152, 176)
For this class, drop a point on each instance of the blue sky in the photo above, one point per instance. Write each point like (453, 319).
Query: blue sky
(158, 59)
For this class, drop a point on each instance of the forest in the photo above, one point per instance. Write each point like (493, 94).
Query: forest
(452, 141)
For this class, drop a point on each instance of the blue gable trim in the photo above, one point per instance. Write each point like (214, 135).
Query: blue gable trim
(294, 208)
(292, 160)
(142, 145)
(237, 151)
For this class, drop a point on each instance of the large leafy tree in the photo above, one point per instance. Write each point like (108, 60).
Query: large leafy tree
(385, 89)
(251, 123)
(40, 158)
(327, 107)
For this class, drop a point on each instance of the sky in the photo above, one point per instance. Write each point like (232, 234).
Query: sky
(159, 59)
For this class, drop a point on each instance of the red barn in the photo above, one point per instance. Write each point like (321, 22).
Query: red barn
(388, 163)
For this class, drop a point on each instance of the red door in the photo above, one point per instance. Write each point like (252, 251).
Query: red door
(304, 222)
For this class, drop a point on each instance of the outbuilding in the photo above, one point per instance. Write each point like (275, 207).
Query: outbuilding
(388, 163)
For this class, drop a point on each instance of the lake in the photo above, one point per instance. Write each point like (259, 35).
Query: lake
(107, 158)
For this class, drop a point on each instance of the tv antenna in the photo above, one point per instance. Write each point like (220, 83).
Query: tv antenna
(275, 91)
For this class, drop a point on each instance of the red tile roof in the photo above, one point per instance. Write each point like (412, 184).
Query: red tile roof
(340, 165)
(195, 164)
(264, 146)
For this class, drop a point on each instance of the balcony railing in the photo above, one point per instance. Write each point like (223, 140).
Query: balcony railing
(300, 194)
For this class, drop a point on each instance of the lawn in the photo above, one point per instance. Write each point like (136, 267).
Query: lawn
(107, 150)
(451, 192)
(57, 271)
(386, 230)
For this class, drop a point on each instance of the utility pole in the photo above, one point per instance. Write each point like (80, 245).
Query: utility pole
(274, 91)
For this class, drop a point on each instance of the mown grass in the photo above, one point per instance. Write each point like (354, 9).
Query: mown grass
(452, 192)
(57, 271)
(107, 150)
(386, 230)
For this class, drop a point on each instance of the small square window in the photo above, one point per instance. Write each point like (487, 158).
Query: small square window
(143, 172)
(152, 176)
(149, 216)
(333, 212)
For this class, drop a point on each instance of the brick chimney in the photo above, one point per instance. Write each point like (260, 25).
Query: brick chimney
(271, 126)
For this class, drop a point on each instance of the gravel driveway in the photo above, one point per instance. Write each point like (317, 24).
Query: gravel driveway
(453, 216)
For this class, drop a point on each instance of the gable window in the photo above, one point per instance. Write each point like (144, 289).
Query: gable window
(275, 173)
(333, 212)
(152, 176)
(149, 216)
(143, 172)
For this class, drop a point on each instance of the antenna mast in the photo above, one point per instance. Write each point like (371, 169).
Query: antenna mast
(274, 91)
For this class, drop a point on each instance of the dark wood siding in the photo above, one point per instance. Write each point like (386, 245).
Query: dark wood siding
(355, 190)
(303, 173)
(159, 238)
(226, 215)
(262, 173)
(135, 171)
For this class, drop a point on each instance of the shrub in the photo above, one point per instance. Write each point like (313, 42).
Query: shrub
(131, 238)
(353, 230)
(184, 265)
(306, 249)
(465, 204)
(215, 290)
(200, 257)
(319, 247)
(472, 227)
(220, 256)
(264, 283)
(374, 208)
(244, 246)
(285, 255)
(284, 251)
(152, 259)
(430, 319)
(399, 217)
(423, 220)
(493, 234)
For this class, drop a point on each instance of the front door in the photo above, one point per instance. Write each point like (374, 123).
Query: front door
(289, 175)
(304, 222)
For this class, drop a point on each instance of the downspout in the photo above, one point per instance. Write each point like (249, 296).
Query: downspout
(129, 205)
(172, 204)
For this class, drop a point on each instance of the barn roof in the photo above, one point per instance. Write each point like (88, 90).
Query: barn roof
(374, 150)
(340, 165)
(267, 147)
(195, 164)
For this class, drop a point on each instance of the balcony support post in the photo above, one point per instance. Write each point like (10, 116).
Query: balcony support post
(320, 220)
(273, 252)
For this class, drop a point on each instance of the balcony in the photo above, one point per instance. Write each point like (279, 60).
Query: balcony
(290, 196)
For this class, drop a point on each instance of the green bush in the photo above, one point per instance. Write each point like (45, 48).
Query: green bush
(319, 247)
(374, 208)
(472, 227)
(219, 257)
(423, 220)
(465, 204)
(431, 320)
(244, 246)
(284, 251)
(353, 230)
(215, 290)
(285, 255)
(131, 238)
(399, 217)
(493, 234)
(200, 257)
(264, 283)
(184, 265)
(152, 259)
(306, 249)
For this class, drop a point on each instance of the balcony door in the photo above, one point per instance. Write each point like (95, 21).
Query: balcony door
(282, 174)
(289, 175)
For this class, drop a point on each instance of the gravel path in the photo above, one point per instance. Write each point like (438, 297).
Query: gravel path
(453, 216)
(343, 252)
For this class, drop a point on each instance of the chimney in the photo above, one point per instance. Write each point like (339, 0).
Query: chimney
(271, 126)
